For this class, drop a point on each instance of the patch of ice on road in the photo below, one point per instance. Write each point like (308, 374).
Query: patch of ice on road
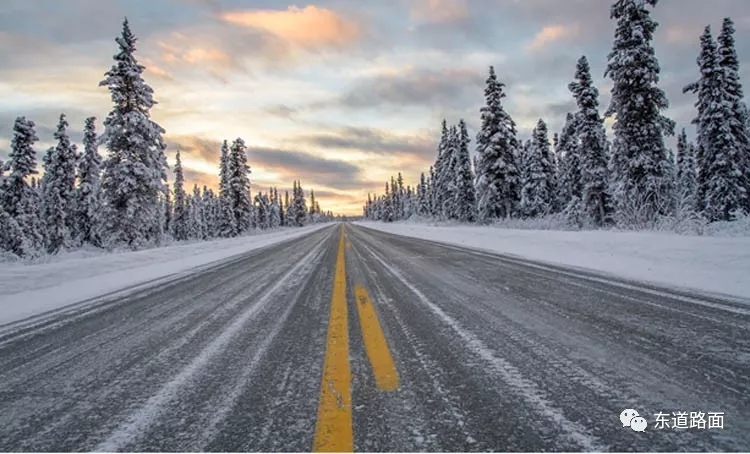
(509, 374)
(129, 430)
(29, 290)
(711, 264)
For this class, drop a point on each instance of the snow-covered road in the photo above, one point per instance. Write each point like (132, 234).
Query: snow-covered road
(448, 349)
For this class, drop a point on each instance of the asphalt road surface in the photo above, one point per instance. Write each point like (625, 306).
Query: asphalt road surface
(349, 338)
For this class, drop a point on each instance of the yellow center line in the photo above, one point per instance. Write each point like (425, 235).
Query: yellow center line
(333, 431)
(381, 360)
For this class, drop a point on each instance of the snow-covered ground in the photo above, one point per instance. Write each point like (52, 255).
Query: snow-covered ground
(710, 264)
(31, 289)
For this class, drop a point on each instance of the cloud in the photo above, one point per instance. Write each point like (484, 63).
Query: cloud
(374, 141)
(280, 110)
(180, 50)
(312, 170)
(193, 177)
(207, 150)
(550, 34)
(421, 87)
(310, 28)
(438, 11)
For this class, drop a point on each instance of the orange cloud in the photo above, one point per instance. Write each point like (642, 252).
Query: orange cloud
(311, 27)
(193, 55)
(440, 10)
(552, 33)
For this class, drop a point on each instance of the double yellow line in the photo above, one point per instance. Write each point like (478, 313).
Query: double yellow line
(334, 431)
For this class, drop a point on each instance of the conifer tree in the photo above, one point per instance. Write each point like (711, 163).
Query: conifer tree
(262, 218)
(640, 171)
(422, 195)
(87, 195)
(134, 172)
(387, 208)
(282, 210)
(300, 206)
(58, 190)
(431, 193)
(534, 195)
(497, 184)
(227, 222)
(721, 189)
(591, 139)
(686, 175)
(197, 223)
(738, 117)
(181, 217)
(464, 197)
(168, 209)
(20, 201)
(312, 205)
(540, 139)
(440, 169)
(275, 212)
(570, 179)
(239, 186)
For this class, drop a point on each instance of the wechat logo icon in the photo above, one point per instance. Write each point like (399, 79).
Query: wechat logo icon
(631, 418)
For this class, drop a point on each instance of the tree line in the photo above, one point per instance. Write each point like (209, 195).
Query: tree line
(125, 200)
(630, 180)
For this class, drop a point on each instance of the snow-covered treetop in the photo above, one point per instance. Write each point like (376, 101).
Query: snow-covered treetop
(22, 153)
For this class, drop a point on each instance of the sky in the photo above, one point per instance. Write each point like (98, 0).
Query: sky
(338, 94)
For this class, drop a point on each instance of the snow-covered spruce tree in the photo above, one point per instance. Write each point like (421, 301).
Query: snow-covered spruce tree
(423, 206)
(239, 186)
(282, 210)
(227, 222)
(721, 188)
(311, 214)
(497, 184)
(135, 170)
(400, 196)
(431, 193)
(262, 218)
(196, 219)
(20, 202)
(290, 214)
(168, 209)
(642, 187)
(180, 216)
(208, 201)
(534, 195)
(591, 139)
(449, 175)
(275, 211)
(464, 197)
(522, 162)
(300, 206)
(87, 195)
(569, 180)
(386, 214)
(58, 190)
(540, 140)
(730, 66)
(440, 168)
(686, 175)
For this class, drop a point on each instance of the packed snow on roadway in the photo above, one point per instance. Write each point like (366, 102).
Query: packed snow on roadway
(27, 290)
(715, 264)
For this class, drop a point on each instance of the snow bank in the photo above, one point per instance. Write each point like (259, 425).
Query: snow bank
(709, 264)
(28, 290)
